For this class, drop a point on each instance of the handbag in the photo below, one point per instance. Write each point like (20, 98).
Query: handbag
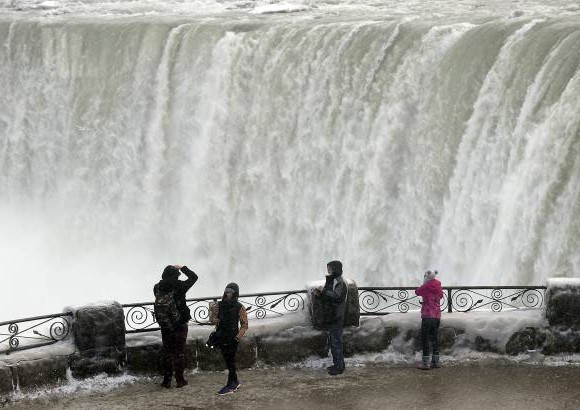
(213, 340)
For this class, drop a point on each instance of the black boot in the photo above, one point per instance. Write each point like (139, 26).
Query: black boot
(179, 369)
(166, 381)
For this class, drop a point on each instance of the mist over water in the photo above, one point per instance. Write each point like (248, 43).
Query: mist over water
(256, 147)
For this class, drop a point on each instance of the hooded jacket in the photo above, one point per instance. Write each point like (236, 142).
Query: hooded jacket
(432, 294)
(334, 296)
(171, 283)
(230, 316)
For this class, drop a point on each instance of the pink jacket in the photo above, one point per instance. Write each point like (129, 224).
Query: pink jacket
(432, 295)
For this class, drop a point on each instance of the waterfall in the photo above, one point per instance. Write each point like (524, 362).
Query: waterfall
(258, 149)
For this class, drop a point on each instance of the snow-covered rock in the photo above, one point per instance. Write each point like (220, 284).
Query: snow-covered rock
(563, 302)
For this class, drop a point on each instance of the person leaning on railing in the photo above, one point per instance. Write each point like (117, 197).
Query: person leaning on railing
(174, 336)
(226, 315)
(431, 293)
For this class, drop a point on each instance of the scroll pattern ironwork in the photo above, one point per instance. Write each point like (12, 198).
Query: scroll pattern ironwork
(140, 317)
(496, 299)
(386, 300)
(33, 332)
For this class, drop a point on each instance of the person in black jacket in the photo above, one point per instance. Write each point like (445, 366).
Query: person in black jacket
(174, 358)
(231, 320)
(333, 295)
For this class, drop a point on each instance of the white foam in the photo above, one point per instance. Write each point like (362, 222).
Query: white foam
(279, 8)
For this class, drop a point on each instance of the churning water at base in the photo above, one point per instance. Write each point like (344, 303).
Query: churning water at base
(257, 147)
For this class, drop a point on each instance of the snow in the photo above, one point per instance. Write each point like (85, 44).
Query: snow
(458, 357)
(62, 348)
(101, 383)
(563, 282)
(496, 327)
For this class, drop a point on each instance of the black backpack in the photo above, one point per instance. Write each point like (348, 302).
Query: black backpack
(166, 313)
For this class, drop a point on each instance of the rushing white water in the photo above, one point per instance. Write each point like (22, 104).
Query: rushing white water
(255, 147)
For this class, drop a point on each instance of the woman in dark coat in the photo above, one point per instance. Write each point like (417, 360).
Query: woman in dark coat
(231, 322)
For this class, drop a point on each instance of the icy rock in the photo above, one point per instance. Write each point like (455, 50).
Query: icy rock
(37, 373)
(83, 367)
(246, 356)
(212, 359)
(447, 338)
(368, 337)
(144, 359)
(292, 345)
(209, 358)
(99, 333)
(563, 302)
(5, 379)
(524, 340)
(484, 345)
(561, 340)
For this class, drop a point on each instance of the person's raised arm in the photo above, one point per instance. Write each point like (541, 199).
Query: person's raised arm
(191, 277)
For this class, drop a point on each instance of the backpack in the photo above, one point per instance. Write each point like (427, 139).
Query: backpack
(165, 309)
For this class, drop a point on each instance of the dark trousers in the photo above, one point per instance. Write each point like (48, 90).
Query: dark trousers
(430, 335)
(335, 338)
(174, 358)
(229, 350)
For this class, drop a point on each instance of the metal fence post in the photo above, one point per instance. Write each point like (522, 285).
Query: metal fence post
(449, 304)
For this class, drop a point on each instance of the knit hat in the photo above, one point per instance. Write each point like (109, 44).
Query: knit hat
(430, 274)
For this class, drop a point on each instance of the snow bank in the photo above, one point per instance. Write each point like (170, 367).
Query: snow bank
(62, 348)
(563, 282)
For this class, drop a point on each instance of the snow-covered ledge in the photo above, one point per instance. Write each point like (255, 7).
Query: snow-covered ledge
(563, 302)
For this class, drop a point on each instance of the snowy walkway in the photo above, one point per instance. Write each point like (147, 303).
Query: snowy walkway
(375, 386)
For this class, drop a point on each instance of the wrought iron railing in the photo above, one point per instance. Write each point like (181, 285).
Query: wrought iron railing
(139, 317)
(374, 301)
(34, 332)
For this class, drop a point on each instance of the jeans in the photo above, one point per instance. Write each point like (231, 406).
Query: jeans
(174, 358)
(430, 334)
(335, 335)
(229, 353)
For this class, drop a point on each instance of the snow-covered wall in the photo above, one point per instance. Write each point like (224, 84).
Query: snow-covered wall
(292, 338)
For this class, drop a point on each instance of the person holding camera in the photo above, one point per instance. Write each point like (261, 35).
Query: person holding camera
(172, 314)
(432, 294)
(333, 296)
(231, 320)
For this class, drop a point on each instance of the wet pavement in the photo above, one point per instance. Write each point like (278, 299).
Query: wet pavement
(376, 386)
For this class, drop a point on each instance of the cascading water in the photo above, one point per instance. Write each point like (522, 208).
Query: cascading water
(255, 148)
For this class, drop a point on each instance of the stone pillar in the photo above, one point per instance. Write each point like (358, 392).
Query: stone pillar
(563, 302)
(352, 316)
(6, 381)
(99, 335)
